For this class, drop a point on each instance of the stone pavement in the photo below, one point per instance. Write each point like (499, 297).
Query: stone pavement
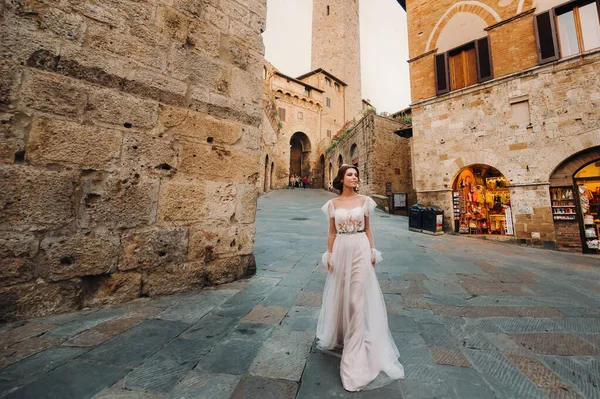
(471, 318)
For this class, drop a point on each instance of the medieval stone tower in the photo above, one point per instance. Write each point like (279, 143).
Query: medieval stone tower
(336, 47)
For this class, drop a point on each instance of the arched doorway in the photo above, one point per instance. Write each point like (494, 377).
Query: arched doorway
(340, 161)
(354, 155)
(300, 155)
(271, 175)
(266, 182)
(330, 175)
(575, 199)
(481, 201)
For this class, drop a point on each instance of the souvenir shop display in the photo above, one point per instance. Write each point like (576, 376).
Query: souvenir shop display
(481, 201)
(587, 188)
(563, 203)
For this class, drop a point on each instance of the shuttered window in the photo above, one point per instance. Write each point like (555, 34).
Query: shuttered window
(484, 60)
(441, 74)
(281, 113)
(464, 66)
(545, 32)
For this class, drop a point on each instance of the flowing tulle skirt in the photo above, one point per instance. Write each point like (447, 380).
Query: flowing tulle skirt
(353, 317)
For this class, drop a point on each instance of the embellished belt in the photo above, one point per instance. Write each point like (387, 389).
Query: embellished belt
(350, 232)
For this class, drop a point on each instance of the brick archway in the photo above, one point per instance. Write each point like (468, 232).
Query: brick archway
(486, 12)
(563, 174)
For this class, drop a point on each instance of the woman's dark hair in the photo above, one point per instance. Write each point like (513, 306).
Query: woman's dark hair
(337, 182)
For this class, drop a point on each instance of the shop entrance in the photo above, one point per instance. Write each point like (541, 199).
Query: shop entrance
(482, 202)
(575, 198)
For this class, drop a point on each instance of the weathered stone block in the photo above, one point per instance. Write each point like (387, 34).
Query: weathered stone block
(224, 270)
(115, 288)
(213, 240)
(70, 143)
(117, 201)
(217, 163)
(205, 37)
(187, 65)
(17, 245)
(235, 10)
(199, 128)
(172, 23)
(38, 299)
(153, 248)
(249, 35)
(224, 107)
(113, 107)
(245, 208)
(64, 25)
(173, 279)
(181, 201)
(34, 199)
(15, 270)
(155, 85)
(193, 8)
(9, 78)
(245, 85)
(153, 154)
(220, 200)
(79, 255)
(116, 13)
(139, 42)
(53, 93)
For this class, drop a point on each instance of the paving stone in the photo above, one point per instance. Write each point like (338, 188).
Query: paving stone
(64, 318)
(192, 311)
(413, 351)
(321, 380)
(315, 285)
(27, 370)
(415, 301)
(136, 344)
(424, 316)
(444, 287)
(26, 348)
(73, 380)
(89, 338)
(560, 393)
(498, 289)
(283, 356)
(310, 299)
(394, 305)
(231, 356)
(555, 344)
(23, 332)
(255, 387)
(119, 393)
(202, 385)
(211, 326)
(85, 323)
(284, 296)
(504, 344)
(464, 382)
(251, 332)
(496, 311)
(525, 324)
(171, 363)
(301, 318)
(576, 371)
(265, 314)
(451, 357)
(402, 324)
(539, 374)
(579, 325)
(437, 335)
(415, 276)
(240, 304)
(506, 381)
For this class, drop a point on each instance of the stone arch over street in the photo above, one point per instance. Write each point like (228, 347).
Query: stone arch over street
(564, 172)
(354, 155)
(340, 161)
(266, 183)
(300, 149)
(320, 175)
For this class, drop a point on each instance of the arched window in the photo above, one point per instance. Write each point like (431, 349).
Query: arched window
(337, 87)
(328, 81)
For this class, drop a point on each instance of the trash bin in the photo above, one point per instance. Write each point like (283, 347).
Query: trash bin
(433, 219)
(415, 217)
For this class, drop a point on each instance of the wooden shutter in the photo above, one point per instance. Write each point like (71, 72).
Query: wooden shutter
(442, 81)
(545, 33)
(281, 112)
(484, 60)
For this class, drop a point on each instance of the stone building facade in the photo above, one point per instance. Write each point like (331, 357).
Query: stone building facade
(382, 158)
(506, 118)
(129, 149)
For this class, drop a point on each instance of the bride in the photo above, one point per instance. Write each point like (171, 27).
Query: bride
(353, 316)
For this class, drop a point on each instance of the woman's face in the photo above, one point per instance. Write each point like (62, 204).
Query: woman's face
(350, 178)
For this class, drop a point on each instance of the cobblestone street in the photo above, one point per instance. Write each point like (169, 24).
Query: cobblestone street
(471, 318)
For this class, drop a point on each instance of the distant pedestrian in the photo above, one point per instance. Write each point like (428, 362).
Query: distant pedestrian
(292, 181)
(304, 181)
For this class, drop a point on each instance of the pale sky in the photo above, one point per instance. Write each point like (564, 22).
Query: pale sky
(383, 47)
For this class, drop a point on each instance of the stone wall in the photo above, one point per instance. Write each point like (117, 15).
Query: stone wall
(475, 126)
(381, 152)
(129, 149)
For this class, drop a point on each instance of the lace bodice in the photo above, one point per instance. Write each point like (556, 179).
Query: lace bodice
(351, 220)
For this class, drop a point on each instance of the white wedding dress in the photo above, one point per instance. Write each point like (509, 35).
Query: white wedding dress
(353, 314)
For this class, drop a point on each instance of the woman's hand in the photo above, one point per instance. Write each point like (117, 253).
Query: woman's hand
(329, 267)
(373, 258)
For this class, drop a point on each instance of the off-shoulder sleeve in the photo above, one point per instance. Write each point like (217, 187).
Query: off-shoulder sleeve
(369, 206)
(328, 209)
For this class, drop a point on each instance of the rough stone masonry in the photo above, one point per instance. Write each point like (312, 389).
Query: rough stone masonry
(129, 148)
